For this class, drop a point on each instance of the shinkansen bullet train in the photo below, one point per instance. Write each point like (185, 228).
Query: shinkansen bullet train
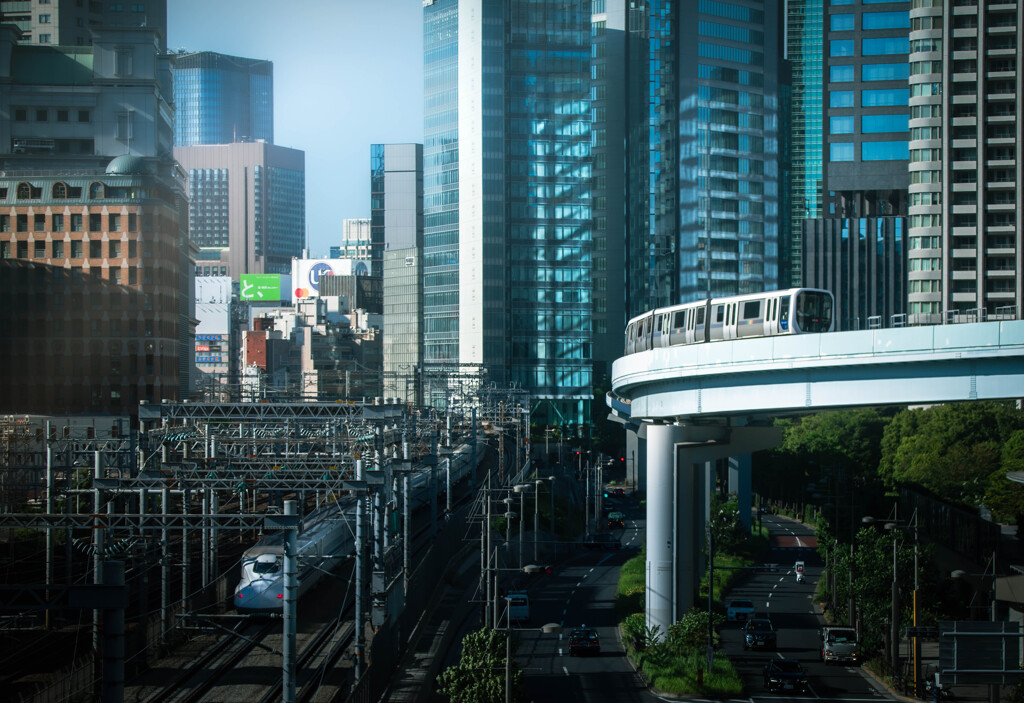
(792, 311)
(326, 536)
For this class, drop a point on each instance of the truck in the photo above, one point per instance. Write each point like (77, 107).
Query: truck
(838, 645)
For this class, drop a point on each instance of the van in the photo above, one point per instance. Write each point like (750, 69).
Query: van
(518, 606)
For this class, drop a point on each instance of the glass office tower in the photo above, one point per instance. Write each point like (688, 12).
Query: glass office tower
(222, 99)
(713, 150)
(507, 211)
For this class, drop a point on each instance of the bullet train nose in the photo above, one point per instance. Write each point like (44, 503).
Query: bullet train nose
(264, 598)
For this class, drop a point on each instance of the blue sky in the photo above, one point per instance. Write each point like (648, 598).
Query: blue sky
(347, 74)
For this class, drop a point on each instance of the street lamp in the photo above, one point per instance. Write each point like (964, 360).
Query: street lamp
(893, 525)
(521, 489)
(550, 628)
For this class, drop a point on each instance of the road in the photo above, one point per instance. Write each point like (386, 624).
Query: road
(791, 608)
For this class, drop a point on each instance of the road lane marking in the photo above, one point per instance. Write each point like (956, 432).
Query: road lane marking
(565, 670)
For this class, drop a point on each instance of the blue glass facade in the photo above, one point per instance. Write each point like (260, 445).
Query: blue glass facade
(723, 118)
(507, 204)
(220, 99)
(280, 202)
(441, 182)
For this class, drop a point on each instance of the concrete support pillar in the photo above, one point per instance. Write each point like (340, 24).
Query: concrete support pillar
(739, 483)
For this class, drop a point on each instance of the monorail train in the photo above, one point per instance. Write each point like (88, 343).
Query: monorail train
(792, 311)
(325, 536)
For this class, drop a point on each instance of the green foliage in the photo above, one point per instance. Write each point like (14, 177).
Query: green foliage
(1004, 497)
(691, 633)
(629, 597)
(479, 677)
(726, 529)
(951, 450)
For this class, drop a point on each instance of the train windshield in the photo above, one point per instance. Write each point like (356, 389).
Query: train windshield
(813, 311)
(266, 567)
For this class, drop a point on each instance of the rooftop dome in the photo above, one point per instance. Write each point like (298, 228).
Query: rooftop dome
(127, 164)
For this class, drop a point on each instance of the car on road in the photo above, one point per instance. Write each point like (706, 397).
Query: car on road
(759, 633)
(739, 610)
(785, 676)
(584, 640)
(616, 521)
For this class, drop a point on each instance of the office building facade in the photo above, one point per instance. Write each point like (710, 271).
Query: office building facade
(356, 239)
(396, 194)
(965, 256)
(93, 244)
(507, 203)
(70, 22)
(247, 211)
(222, 99)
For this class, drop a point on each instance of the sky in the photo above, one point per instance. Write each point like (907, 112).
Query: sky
(347, 74)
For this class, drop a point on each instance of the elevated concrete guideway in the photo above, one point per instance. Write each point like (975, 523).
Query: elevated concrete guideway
(693, 405)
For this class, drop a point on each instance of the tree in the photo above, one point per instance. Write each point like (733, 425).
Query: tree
(479, 677)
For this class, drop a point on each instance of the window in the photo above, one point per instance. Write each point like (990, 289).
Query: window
(84, 116)
(76, 249)
(114, 250)
(57, 223)
(20, 114)
(39, 249)
(123, 62)
(841, 151)
(114, 223)
(885, 20)
(22, 250)
(884, 151)
(885, 72)
(840, 125)
(840, 47)
(76, 222)
(133, 222)
(59, 190)
(41, 115)
(22, 223)
(95, 249)
(123, 130)
(39, 223)
(133, 249)
(63, 115)
(57, 248)
(5, 250)
(840, 74)
(841, 23)
(5, 223)
(44, 38)
(887, 97)
(884, 46)
(873, 124)
(840, 98)
(115, 275)
(95, 222)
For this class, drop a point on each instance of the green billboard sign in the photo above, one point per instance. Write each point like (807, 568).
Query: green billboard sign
(260, 287)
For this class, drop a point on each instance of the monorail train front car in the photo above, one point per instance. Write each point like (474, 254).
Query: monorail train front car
(792, 311)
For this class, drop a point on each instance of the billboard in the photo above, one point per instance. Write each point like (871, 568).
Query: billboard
(264, 287)
(306, 274)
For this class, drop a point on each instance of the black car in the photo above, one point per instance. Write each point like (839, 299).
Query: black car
(759, 633)
(584, 640)
(785, 676)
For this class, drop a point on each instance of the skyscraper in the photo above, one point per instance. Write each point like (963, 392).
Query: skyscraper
(247, 206)
(965, 235)
(711, 153)
(222, 99)
(507, 196)
(396, 187)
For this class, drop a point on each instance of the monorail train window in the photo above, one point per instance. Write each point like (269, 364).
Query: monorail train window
(784, 315)
(751, 309)
(679, 319)
(814, 311)
(720, 314)
(700, 317)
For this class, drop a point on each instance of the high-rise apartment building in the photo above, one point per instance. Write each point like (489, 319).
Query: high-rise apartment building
(222, 99)
(965, 253)
(396, 194)
(93, 244)
(508, 249)
(70, 22)
(247, 206)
